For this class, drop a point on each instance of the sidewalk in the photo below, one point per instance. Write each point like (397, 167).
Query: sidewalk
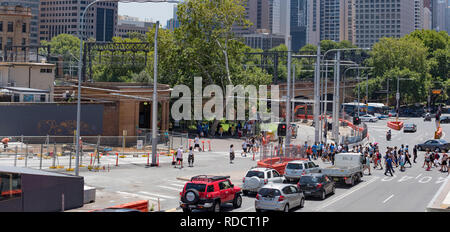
(441, 201)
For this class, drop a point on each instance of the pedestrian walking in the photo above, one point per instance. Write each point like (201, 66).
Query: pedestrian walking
(180, 157)
(389, 165)
(427, 161)
(244, 149)
(231, 153)
(191, 157)
(197, 143)
(367, 163)
(407, 158)
(402, 160)
(415, 153)
(444, 161)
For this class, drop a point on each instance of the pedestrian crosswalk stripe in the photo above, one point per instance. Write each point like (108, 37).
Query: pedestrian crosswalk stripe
(157, 195)
(178, 185)
(139, 196)
(167, 187)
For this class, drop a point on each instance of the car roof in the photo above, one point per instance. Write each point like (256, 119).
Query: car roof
(278, 186)
(261, 169)
(314, 174)
(298, 161)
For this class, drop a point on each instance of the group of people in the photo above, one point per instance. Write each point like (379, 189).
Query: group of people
(399, 158)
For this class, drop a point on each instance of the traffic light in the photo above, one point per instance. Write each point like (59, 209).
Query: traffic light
(356, 120)
(281, 129)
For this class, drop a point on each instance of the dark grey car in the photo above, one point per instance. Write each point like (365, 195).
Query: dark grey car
(434, 144)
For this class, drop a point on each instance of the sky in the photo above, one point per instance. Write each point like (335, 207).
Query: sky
(150, 11)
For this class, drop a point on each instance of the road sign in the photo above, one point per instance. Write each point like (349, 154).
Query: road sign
(397, 96)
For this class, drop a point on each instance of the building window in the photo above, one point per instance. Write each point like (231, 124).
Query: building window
(1, 26)
(16, 98)
(10, 26)
(28, 98)
(46, 70)
(10, 186)
(42, 97)
(24, 27)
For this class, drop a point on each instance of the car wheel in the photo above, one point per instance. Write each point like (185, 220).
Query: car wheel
(353, 181)
(286, 208)
(187, 210)
(245, 192)
(216, 207)
(237, 201)
(302, 202)
(419, 148)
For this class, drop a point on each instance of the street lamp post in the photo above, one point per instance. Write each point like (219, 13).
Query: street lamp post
(288, 45)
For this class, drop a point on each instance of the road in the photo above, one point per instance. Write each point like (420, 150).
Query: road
(408, 191)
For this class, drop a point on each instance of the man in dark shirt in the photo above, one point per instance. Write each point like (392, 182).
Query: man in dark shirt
(388, 166)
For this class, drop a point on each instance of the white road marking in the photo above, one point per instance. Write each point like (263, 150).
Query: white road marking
(427, 177)
(419, 175)
(171, 188)
(178, 185)
(138, 196)
(389, 178)
(440, 180)
(404, 178)
(388, 198)
(245, 210)
(364, 184)
(157, 195)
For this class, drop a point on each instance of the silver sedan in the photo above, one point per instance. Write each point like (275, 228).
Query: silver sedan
(279, 197)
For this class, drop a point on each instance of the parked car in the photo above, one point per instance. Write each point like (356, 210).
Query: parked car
(393, 113)
(279, 197)
(368, 118)
(444, 119)
(297, 168)
(256, 178)
(381, 116)
(209, 192)
(410, 127)
(316, 184)
(434, 144)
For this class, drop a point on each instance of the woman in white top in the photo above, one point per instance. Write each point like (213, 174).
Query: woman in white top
(180, 156)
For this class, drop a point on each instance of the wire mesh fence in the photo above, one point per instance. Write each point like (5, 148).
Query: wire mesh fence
(59, 152)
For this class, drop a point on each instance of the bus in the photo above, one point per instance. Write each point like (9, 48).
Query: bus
(376, 109)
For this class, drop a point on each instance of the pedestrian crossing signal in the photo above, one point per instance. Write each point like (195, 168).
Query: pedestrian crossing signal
(356, 121)
(281, 129)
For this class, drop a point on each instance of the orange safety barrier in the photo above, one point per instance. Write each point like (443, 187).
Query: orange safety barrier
(438, 133)
(91, 158)
(203, 145)
(117, 159)
(209, 143)
(148, 159)
(395, 125)
(274, 163)
(138, 205)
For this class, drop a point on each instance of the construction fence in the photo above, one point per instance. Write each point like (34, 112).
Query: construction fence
(58, 152)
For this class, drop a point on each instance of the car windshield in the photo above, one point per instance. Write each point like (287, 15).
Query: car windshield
(442, 141)
(198, 187)
(255, 173)
(408, 125)
(269, 192)
(294, 166)
(309, 179)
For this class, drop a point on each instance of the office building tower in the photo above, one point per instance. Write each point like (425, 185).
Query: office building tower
(418, 14)
(127, 24)
(438, 12)
(383, 18)
(58, 17)
(14, 27)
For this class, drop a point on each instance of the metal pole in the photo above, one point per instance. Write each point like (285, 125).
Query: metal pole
(358, 92)
(155, 99)
(398, 97)
(336, 99)
(293, 93)
(40, 160)
(317, 97)
(387, 92)
(15, 158)
(288, 45)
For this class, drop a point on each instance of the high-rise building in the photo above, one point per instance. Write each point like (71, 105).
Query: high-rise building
(127, 24)
(438, 11)
(331, 20)
(383, 18)
(427, 19)
(34, 6)
(58, 17)
(298, 23)
(418, 14)
(14, 26)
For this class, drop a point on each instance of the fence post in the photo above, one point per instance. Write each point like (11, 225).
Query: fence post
(40, 160)
(15, 158)
(26, 155)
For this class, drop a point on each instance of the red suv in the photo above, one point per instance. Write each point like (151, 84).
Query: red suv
(209, 192)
